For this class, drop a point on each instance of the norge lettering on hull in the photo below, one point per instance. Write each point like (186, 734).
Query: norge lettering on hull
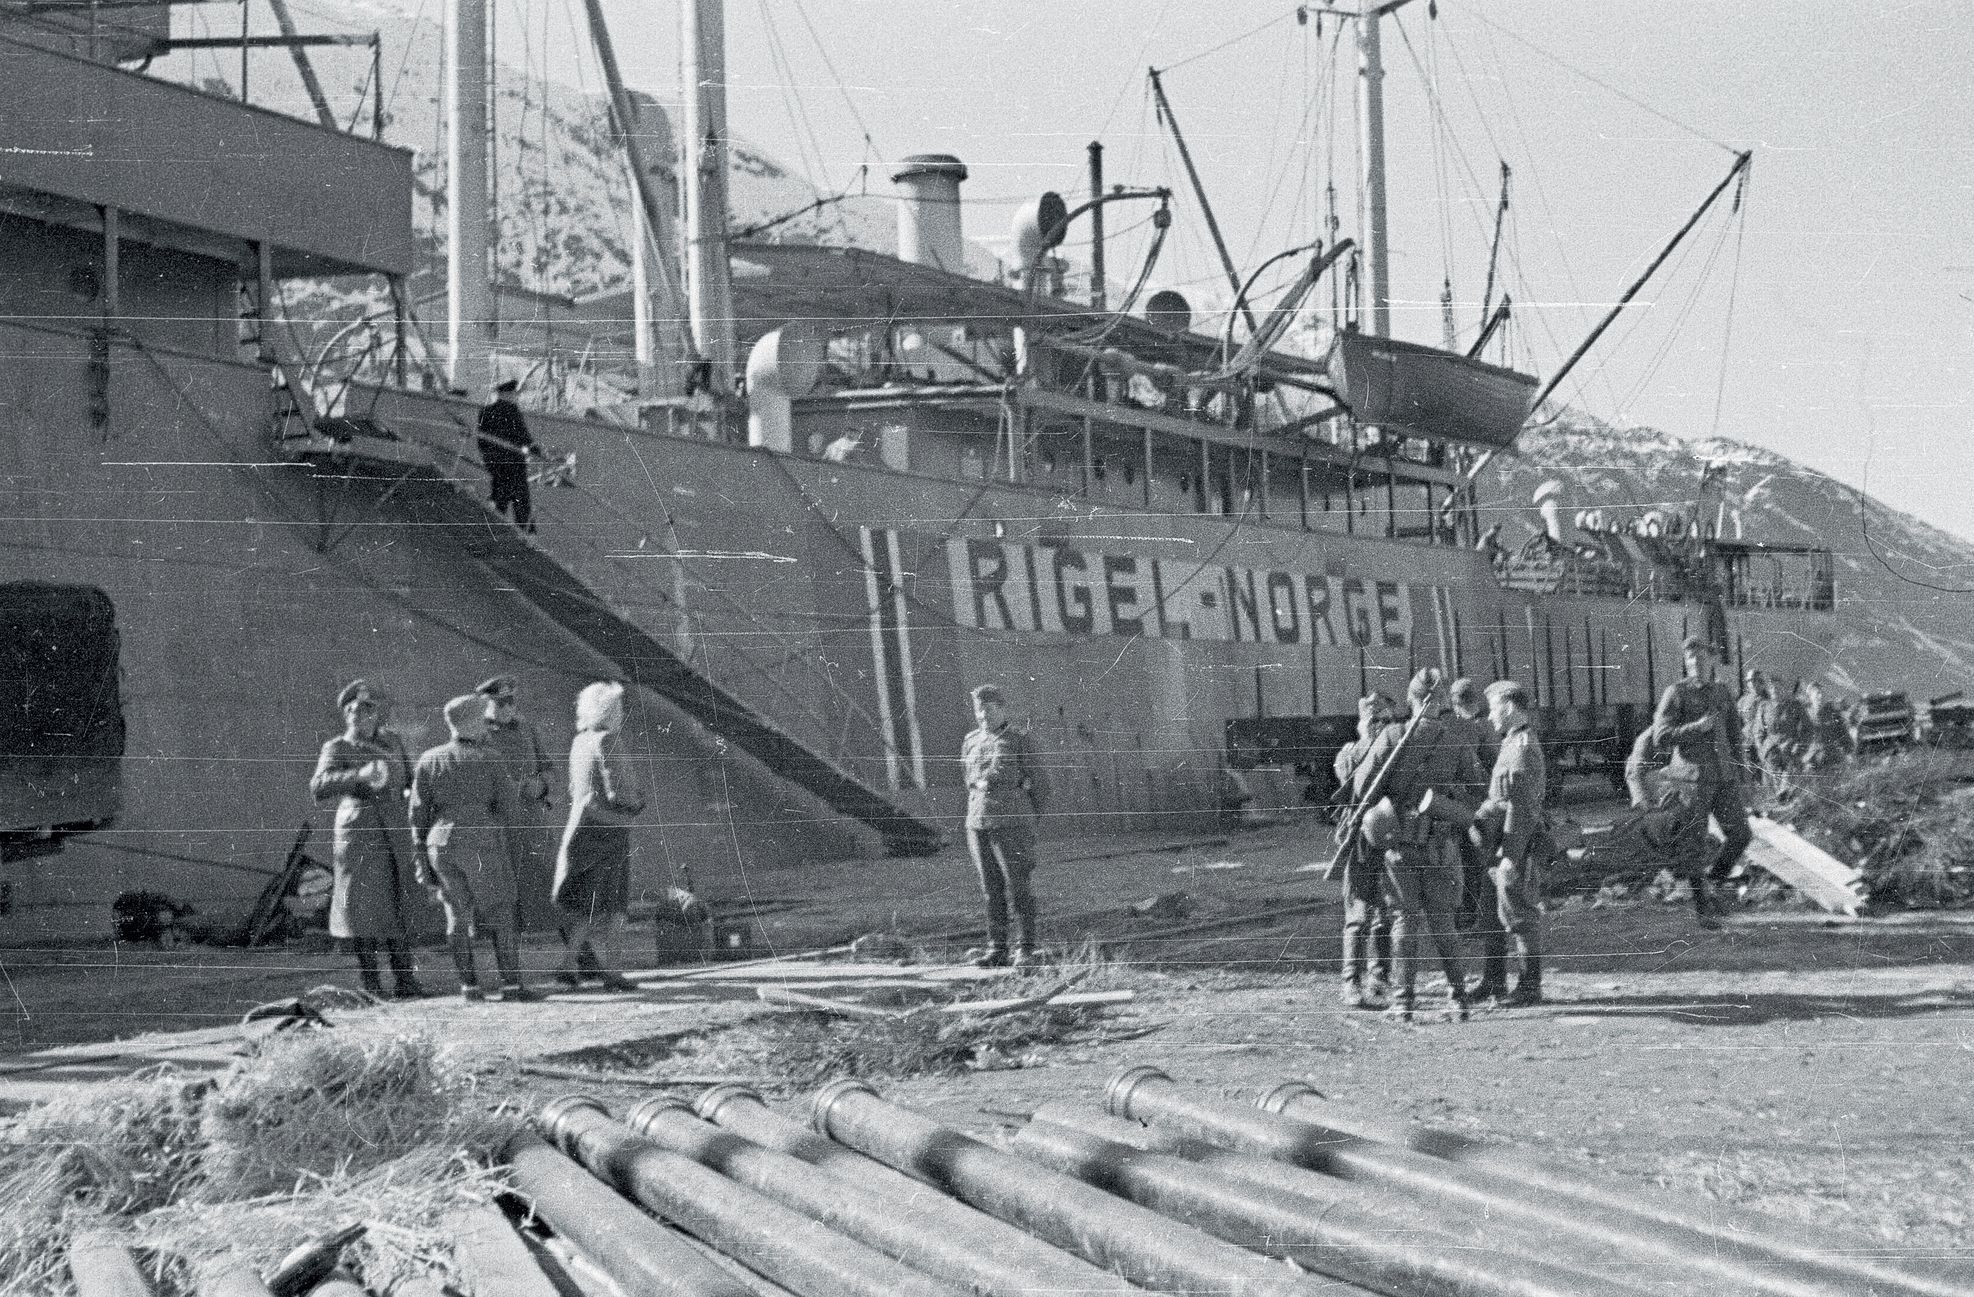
(1059, 589)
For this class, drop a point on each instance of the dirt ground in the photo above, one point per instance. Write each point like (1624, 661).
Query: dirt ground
(1814, 1068)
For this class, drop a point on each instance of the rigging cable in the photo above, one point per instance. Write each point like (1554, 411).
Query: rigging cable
(404, 60)
(1633, 100)
(1679, 323)
(1733, 288)
(842, 87)
(1137, 61)
(1232, 40)
(798, 122)
(1577, 295)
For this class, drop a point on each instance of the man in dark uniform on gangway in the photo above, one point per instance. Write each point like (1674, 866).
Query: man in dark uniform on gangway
(506, 446)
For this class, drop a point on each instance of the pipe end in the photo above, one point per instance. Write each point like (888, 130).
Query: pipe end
(1278, 1099)
(826, 1098)
(554, 1119)
(641, 1118)
(708, 1104)
(1117, 1094)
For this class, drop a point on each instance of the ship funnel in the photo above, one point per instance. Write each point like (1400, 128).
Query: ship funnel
(1039, 226)
(929, 211)
(1550, 504)
(783, 366)
(1169, 310)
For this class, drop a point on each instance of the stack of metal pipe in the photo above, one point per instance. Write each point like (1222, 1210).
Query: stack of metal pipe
(1167, 1188)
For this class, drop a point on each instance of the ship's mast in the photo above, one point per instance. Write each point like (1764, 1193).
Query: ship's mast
(1371, 147)
(469, 296)
(709, 280)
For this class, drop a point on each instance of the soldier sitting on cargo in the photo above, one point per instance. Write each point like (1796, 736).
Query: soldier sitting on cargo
(1663, 790)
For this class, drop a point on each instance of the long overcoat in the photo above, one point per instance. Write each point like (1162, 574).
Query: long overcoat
(374, 865)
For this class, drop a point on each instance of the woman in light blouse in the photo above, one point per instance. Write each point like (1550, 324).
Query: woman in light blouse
(592, 870)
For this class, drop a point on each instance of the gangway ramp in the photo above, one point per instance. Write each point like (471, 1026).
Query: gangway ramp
(409, 484)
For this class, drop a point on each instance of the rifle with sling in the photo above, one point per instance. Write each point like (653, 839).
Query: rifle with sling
(1374, 792)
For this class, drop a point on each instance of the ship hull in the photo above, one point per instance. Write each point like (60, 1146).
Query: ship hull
(852, 606)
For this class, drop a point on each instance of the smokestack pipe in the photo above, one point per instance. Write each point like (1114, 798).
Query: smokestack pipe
(1748, 1232)
(1147, 1094)
(787, 1248)
(929, 228)
(645, 1258)
(1353, 1243)
(1143, 1246)
(959, 1244)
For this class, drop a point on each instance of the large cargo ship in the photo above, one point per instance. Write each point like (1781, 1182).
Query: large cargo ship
(885, 481)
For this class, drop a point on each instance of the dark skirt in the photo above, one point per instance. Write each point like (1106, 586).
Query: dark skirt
(594, 875)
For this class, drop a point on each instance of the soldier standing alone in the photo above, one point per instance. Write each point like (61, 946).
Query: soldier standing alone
(1006, 791)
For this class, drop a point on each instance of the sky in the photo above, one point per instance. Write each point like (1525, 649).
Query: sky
(1830, 319)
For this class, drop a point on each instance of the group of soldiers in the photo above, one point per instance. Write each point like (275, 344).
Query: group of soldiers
(1790, 731)
(1445, 832)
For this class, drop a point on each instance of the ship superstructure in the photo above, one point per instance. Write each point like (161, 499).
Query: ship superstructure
(1184, 553)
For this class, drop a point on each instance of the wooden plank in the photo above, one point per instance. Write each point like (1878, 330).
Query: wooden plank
(994, 1008)
(843, 1008)
(1033, 1000)
(492, 1259)
(1805, 866)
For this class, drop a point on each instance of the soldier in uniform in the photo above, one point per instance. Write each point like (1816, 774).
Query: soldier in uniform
(1786, 739)
(506, 446)
(1425, 815)
(1829, 736)
(1513, 834)
(1007, 790)
(1753, 706)
(364, 772)
(461, 802)
(1366, 917)
(1697, 719)
(514, 738)
(1468, 724)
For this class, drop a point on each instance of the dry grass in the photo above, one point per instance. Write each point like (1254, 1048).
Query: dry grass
(1885, 1194)
(798, 1050)
(1906, 821)
(312, 1131)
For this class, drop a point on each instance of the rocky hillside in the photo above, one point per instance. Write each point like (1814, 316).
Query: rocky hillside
(562, 193)
(1896, 634)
